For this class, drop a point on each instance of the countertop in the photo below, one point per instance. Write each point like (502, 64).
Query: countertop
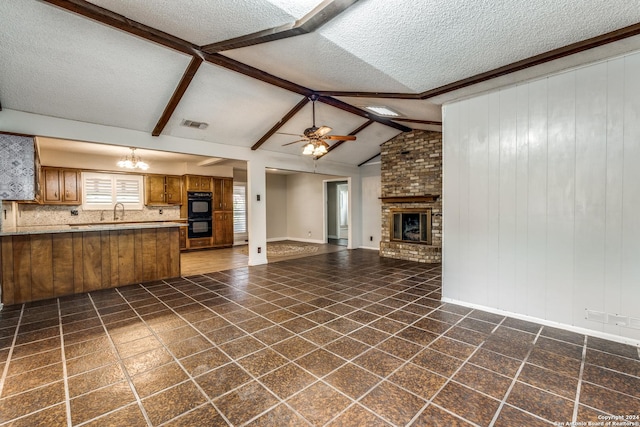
(72, 228)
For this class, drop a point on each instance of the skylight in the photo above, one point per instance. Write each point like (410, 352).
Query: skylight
(381, 110)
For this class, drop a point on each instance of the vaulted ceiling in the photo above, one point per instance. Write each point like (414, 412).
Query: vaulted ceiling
(248, 68)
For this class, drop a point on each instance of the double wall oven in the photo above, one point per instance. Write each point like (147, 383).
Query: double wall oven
(199, 214)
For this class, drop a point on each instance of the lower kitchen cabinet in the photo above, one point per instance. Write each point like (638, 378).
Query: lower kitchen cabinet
(40, 266)
(223, 228)
(199, 243)
(183, 238)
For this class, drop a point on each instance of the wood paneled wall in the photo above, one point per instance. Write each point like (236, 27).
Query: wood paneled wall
(41, 266)
(542, 194)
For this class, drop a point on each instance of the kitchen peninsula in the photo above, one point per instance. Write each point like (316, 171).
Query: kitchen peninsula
(43, 262)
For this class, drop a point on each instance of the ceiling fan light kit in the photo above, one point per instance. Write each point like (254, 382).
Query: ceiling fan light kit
(315, 148)
(314, 137)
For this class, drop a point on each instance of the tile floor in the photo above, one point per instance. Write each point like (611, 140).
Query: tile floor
(340, 339)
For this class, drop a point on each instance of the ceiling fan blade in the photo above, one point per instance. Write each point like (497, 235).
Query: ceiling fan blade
(340, 137)
(292, 134)
(294, 142)
(322, 131)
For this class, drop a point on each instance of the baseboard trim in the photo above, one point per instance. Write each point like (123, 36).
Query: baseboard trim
(571, 328)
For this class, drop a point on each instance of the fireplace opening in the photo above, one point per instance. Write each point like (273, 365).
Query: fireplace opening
(411, 225)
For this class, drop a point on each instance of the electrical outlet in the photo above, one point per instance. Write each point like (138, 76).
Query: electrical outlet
(371, 238)
(259, 250)
(74, 212)
(160, 211)
(309, 234)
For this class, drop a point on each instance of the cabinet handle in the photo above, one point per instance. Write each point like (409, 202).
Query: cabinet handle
(66, 193)
(55, 194)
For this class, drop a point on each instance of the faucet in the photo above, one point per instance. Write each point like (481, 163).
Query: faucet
(115, 217)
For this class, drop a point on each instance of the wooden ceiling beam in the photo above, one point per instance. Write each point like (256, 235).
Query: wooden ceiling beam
(320, 15)
(282, 121)
(368, 160)
(249, 71)
(393, 95)
(187, 77)
(354, 132)
(422, 122)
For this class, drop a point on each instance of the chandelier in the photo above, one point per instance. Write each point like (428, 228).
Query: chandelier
(131, 161)
(316, 148)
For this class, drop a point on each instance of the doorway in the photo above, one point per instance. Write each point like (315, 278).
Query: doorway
(337, 212)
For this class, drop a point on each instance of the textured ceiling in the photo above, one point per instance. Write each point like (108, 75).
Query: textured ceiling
(58, 63)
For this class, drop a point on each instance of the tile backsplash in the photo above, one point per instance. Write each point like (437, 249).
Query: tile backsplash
(33, 214)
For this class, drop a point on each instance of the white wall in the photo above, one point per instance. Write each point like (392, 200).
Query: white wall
(276, 207)
(541, 197)
(305, 207)
(371, 206)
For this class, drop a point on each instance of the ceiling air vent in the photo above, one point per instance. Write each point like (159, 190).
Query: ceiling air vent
(193, 124)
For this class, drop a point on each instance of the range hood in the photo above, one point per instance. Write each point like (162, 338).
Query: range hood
(17, 167)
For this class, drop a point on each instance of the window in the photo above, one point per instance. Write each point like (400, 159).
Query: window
(104, 190)
(239, 208)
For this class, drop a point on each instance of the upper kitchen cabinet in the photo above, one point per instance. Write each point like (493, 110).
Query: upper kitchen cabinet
(222, 194)
(61, 186)
(17, 167)
(163, 190)
(198, 183)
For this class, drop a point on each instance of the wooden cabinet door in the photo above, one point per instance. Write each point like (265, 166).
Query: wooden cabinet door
(72, 186)
(223, 228)
(154, 189)
(193, 183)
(183, 238)
(198, 183)
(217, 194)
(205, 183)
(218, 228)
(228, 234)
(228, 194)
(174, 190)
(51, 179)
(61, 186)
(222, 194)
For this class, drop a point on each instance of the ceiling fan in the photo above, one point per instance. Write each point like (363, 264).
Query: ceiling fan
(315, 137)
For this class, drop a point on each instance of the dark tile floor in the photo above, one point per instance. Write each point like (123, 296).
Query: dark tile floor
(339, 339)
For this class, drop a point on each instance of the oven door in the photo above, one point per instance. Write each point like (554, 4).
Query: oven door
(199, 228)
(199, 207)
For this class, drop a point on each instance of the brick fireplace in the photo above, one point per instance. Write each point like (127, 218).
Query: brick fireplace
(411, 184)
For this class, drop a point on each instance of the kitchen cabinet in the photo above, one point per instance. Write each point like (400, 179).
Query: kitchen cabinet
(61, 186)
(223, 194)
(223, 228)
(199, 243)
(183, 238)
(162, 190)
(49, 265)
(198, 183)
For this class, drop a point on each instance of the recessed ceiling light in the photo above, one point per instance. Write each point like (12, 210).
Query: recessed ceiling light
(381, 110)
(194, 124)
